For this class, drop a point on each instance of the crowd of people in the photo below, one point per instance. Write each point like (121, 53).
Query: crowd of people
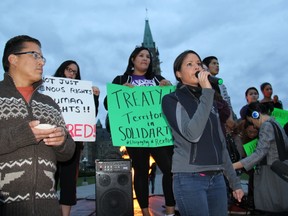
(201, 170)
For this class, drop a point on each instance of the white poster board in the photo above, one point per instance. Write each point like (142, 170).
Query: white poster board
(75, 98)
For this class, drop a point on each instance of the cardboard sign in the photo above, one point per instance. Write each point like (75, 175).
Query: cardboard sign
(75, 98)
(135, 116)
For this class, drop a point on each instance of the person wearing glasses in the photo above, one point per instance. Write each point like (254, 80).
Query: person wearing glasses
(67, 172)
(33, 135)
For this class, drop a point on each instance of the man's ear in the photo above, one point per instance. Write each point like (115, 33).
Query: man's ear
(12, 59)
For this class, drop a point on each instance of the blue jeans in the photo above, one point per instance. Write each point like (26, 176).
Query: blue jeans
(200, 195)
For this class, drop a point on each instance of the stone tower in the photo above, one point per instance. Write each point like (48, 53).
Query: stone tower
(150, 44)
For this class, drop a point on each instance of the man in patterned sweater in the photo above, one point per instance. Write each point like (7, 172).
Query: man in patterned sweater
(28, 154)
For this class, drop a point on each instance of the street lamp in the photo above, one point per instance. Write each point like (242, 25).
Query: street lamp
(84, 161)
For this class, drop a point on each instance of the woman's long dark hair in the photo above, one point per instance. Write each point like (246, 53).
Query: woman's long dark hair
(130, 67)
(60, 71)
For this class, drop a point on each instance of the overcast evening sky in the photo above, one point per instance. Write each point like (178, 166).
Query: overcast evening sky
(249, 37)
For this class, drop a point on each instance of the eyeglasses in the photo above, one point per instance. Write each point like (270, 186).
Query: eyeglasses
(70, 70)
(36, 55)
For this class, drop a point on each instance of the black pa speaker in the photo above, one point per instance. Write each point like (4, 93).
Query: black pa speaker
(114, 196)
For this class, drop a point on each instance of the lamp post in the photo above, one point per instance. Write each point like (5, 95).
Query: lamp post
(84, 161)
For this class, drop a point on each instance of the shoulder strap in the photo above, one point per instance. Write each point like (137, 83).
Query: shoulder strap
(283, 155)
(124, 78)
(157, 79)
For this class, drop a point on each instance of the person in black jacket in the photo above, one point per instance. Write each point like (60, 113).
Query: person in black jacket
(67, 172)
(139, 73)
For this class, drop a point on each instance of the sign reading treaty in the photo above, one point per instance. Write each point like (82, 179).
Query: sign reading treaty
(76, 101)
(135, 116)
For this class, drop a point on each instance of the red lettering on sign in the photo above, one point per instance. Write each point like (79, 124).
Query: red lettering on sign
(82, 130)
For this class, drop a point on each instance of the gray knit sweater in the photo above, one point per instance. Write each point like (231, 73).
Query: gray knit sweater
(27, 168)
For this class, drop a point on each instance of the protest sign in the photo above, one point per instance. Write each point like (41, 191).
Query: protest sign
(76, 101)
(136, 118)
(250, 147)
(281, 116)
